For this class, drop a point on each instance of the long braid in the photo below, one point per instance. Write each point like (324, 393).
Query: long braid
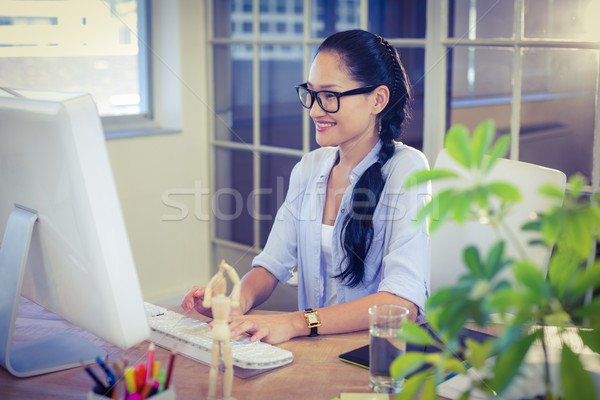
(371, 60)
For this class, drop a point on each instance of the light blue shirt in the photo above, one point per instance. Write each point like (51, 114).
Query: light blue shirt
(398, 261)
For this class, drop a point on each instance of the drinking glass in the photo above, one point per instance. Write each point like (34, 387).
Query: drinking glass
(385, 321)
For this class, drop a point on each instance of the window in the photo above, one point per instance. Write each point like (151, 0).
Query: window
(532, 65)
(92, 46)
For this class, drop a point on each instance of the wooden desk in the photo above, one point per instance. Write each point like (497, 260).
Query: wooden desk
(316, 372)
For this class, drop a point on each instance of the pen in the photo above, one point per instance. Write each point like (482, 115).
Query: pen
(170, 367)
(97, 380)
(154, 389)
(146, 389)
(119, 389)
(130, 380)
(111, 377)
(149, 361)
(139, 376)
(155, 369)
(161, 380)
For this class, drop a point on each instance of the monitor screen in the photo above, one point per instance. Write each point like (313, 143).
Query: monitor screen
(65, 245)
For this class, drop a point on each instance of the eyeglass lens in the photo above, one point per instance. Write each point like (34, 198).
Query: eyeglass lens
(328, 101)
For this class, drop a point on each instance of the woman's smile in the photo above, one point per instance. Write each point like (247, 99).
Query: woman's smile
(322, 126)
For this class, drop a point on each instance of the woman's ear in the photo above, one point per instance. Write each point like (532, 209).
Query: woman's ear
(381, 96)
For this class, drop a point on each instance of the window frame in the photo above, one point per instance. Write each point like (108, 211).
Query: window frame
(436, 61)
(161, 57)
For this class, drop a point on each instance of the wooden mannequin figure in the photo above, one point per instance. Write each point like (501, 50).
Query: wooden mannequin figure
(221, 306)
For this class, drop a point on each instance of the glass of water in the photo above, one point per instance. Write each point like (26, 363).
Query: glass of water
(385, 321)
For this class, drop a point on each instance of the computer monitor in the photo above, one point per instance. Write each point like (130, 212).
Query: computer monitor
(65, 245)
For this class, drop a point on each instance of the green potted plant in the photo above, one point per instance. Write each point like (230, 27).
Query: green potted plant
(528, 302)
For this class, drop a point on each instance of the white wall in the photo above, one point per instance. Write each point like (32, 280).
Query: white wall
(171, 256)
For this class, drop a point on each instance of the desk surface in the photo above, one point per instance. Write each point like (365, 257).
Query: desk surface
(316, 372)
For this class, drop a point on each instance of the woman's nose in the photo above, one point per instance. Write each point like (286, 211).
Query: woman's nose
(316, 110)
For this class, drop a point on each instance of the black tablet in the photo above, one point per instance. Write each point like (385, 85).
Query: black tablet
(360, 356)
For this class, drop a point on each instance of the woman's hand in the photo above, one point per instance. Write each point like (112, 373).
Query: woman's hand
(193, 300)
(272, 329)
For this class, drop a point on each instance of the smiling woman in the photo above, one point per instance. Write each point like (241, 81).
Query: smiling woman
(346, 222)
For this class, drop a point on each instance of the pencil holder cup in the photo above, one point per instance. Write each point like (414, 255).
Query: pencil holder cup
(168, 394)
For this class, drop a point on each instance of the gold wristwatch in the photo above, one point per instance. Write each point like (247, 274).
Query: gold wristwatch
(312, 321)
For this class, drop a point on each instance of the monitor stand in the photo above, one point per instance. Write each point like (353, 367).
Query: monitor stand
(38, 356)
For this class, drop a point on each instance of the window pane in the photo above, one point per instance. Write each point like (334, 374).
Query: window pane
(481, 73)
(330, 16)
(413, 60)
(481, 19)
(557, 111)
(480, 86)
(274, 183)
(77, 46)
(281, 112)
(562, 19)
(281, 20)
(233, 193)
(232, 19)
(233, 93)
(398, 18)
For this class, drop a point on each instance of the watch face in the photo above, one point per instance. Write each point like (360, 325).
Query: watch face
(312, 318)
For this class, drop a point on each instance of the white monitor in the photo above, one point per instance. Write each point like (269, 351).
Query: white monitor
(65, 245)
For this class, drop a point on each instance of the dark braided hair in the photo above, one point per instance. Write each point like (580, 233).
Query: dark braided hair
(370, 60)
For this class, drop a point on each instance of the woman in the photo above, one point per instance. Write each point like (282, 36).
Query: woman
(346, 223)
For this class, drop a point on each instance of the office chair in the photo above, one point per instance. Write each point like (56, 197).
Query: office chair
(450, 240)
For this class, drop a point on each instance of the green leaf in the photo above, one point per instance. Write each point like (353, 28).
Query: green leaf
(579, 235)
(477, 353)
(553, 191)
(505, 191)
(531, 276)
(557, 318)
(454, 316)
(588, 278)
(576, 184)
(454, 365)
(592, 311)
(438, 209)
(462, 205)
(494, 261)
(413, 333)
(412, 386)
(406, 364)
(535, 226)
(499, 150)
(429, 390)
(481, 194)
(423, 176)
(562, 267)
(575, 381)
(503, 300)
(508, 362)
(472, 261)
(465, 396)
(440, 297)
(482, 139)
(457, 145)
(591, 339)
(551, 227)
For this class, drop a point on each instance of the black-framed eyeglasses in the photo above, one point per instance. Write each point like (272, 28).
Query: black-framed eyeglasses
(328, 100)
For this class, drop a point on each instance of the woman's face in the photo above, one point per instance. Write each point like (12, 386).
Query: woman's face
(355, 121)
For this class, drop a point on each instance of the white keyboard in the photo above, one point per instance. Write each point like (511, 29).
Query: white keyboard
(194, 340)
